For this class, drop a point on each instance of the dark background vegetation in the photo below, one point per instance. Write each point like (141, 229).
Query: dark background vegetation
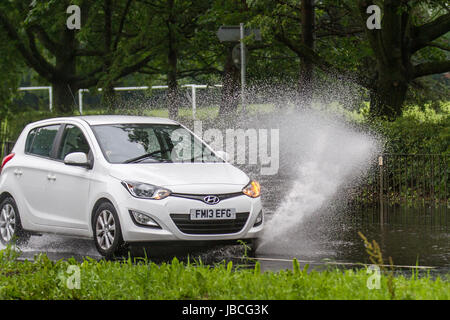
(306, 45)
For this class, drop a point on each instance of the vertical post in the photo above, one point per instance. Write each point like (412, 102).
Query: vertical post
(380, 165)
(2, 126)
(242, 66)
(80, 101)
(50, 98)
(194, 101)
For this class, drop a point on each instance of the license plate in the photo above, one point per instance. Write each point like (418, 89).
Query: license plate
(213, 214)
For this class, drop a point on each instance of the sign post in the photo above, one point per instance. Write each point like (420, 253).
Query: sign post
(242, 66)
(237, 34)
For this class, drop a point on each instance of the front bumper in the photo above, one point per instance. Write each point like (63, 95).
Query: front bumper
(161, 211)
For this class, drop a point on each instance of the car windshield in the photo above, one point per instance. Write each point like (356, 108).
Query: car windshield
(147, 143)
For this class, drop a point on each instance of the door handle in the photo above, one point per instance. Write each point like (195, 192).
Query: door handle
(18, 172)
(51, 177)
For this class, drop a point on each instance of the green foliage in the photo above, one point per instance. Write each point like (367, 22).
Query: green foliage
(376, 257)
(45, 279)
(10, 74)
(417, 131)
(135, 50)
(17, 121)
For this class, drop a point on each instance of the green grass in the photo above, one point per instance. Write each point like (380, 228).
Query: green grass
(45, 279)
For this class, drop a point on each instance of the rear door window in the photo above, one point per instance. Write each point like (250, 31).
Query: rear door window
(40, 140)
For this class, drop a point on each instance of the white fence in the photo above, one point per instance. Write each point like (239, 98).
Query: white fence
(50, 94)
(191, 93)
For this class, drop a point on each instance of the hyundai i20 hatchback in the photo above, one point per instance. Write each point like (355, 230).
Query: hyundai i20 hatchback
(123, 180)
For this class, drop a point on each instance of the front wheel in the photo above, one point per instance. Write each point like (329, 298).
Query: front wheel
(107, 233)
(10, 225)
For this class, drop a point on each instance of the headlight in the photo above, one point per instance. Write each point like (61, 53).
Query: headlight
(253, 189)
(145, 190)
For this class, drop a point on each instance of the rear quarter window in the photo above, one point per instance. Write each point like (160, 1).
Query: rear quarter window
(40, 140)
(30, 139)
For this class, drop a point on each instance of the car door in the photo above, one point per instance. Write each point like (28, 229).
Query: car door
(69, 185)
(32, 172)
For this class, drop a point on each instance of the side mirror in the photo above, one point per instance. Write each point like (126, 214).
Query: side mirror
(78, 159)
(224, 155)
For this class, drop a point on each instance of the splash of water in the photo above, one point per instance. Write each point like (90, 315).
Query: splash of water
(319, 152)
(324, 153)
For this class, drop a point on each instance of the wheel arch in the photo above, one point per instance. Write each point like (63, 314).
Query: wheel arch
(95, 207)
(5, 195)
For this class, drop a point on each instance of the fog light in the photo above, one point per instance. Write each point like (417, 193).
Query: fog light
(143, 219)
(259, 219)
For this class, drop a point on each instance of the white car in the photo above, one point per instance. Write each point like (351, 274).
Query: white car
(123, 180)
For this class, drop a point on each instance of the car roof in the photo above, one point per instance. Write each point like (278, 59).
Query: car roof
(111, 119)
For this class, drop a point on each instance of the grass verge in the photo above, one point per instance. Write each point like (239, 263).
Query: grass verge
(46, 279)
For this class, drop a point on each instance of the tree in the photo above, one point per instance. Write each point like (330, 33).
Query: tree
(307, 37)
(304, 27)
(394, 47)
(385, 61)
(10, 69)
(71, 59)
(228, 12)
(178, 42)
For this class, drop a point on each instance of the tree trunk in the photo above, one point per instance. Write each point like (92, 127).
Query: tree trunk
(109, 101)
(172, 59)
(64, 92)
(392, 47)
(230, 89)
(306, 66)
(173, 93)
(109, 98)
(389, 95)
(63, 97)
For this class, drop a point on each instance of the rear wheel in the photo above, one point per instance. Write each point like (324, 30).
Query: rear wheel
(11, 230)
(107, 232)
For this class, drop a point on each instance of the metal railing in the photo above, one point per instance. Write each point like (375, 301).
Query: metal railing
(191, 93)
(407, 178)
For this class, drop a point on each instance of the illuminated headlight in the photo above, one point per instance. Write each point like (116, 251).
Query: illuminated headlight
(143, 219)
(253, 189)
(145, 190)
(259, 219)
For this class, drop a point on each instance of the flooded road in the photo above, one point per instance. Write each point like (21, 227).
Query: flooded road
(411, 236)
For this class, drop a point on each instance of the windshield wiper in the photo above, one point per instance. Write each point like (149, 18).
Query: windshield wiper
(145, 156)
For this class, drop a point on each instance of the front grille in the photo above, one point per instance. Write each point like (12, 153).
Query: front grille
(201, 197)
(188, 226)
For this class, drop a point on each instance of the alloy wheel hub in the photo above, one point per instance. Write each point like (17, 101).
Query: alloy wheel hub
(105, 229)
(7, 222)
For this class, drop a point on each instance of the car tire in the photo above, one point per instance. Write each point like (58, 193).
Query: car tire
(11, 231)
(107, 232)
